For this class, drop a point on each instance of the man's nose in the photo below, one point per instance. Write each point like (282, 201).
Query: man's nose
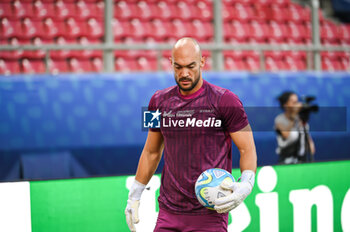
(184, 72)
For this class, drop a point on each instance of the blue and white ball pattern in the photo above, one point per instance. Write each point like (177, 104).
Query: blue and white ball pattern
(208, 188)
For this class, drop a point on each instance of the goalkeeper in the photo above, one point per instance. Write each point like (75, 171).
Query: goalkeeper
(191, 149)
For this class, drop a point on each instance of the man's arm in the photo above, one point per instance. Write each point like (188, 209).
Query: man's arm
(150, 157)
(245, 143)
(148, 163)
(248, 162)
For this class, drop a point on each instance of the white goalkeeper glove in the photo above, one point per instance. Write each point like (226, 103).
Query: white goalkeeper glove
(240, 191)
(132, 207)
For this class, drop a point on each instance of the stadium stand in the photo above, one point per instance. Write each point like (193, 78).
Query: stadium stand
(81, 21)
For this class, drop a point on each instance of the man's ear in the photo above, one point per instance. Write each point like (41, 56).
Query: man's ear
(202, 62)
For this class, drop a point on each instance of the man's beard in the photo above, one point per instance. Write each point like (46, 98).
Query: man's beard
(196, 80)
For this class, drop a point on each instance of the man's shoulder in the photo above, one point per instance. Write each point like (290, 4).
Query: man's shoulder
(159, 94)
(217, 90)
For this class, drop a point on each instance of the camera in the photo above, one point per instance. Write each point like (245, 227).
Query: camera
(307, 108)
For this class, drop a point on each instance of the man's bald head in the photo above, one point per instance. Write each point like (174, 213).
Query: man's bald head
(187, 47)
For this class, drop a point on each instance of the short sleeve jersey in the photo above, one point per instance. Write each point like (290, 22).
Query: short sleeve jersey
(196, 131)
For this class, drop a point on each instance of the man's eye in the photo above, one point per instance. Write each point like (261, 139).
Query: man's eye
(177, 67)
(191, 67)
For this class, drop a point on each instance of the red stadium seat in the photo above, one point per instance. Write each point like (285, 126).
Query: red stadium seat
(140, 29)
(277, 31)
(274, 64)
(295, 64)
(181, 29)
(146, 64)
(202, 31)
(32, 66)
(87, 54)
(10, 28)
(227, 13)
(125, 65)
(166, 10)
(146, 11)
(31, 28)
(76, 65)
(64, 10)
(160, 29)
(329, 32)
(22, 9)
(232, 64)
(35, 54)
(296, 32)
(58, 66)
(53, 28)
(85, 10)
(166, 64)
(12, 55)
(9, 67)
(344, 33)
(252, 64)
(277, 13)
(329, 65)
(97, 65)
(185, 11)
(62, 54)
(259, 31)
(237, 30)
(42, 10)
(121, 29)
(6, 10)
(125, 10)
(243, 13)
(205, 11)
(75, 28)
(94, 29)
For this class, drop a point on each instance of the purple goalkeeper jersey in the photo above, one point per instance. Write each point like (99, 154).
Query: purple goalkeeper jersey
(196, 137)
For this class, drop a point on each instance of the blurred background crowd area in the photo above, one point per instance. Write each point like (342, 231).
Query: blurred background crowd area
(62, 22)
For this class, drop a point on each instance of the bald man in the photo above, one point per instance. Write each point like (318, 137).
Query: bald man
(191, 147)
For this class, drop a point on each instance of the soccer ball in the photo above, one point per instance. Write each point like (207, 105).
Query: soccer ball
(208, 188)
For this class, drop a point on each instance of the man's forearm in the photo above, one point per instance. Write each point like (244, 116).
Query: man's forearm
(248, 160)
(147, 166)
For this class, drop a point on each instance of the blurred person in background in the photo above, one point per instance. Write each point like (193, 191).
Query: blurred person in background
(294, 141)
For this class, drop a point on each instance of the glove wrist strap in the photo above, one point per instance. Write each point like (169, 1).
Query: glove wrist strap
(136, 190)
(248, 176)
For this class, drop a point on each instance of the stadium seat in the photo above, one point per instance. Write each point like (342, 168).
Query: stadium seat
(22, 9)
(121, 29)
(205, 11)
(10, 28)
(5, 10)
(87, 53)
(166, 10)
(295, 64)
(124, 64)
(203, 31)
(53, 28)
(8, 67)
(160, 29)
(124, 10)
(344, 33)
(12, 55)
(31, 28)
(32, 66)
(64, 10)
(79, 66)
(146, 11)
(94, 29)
(331, 65)
(62, 54)
(58, 66)
(146, 64)
(181, 29)
(96, 64)
(185, 11)
(140, 29)
(227, 13)
(232, 64)
(42, 10)
(35, 54)
(252, 64)
(329, 32)
(259, 31)
(86, 10)
(74, 28)
(276, 13)
(236, 30)
(277, 31)
(243, 13)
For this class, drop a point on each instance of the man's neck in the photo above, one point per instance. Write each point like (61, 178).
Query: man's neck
(195, 89)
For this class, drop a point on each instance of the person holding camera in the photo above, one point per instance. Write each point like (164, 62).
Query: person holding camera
(294, 141)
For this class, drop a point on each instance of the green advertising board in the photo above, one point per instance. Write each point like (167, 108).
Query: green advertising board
(302, 197)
